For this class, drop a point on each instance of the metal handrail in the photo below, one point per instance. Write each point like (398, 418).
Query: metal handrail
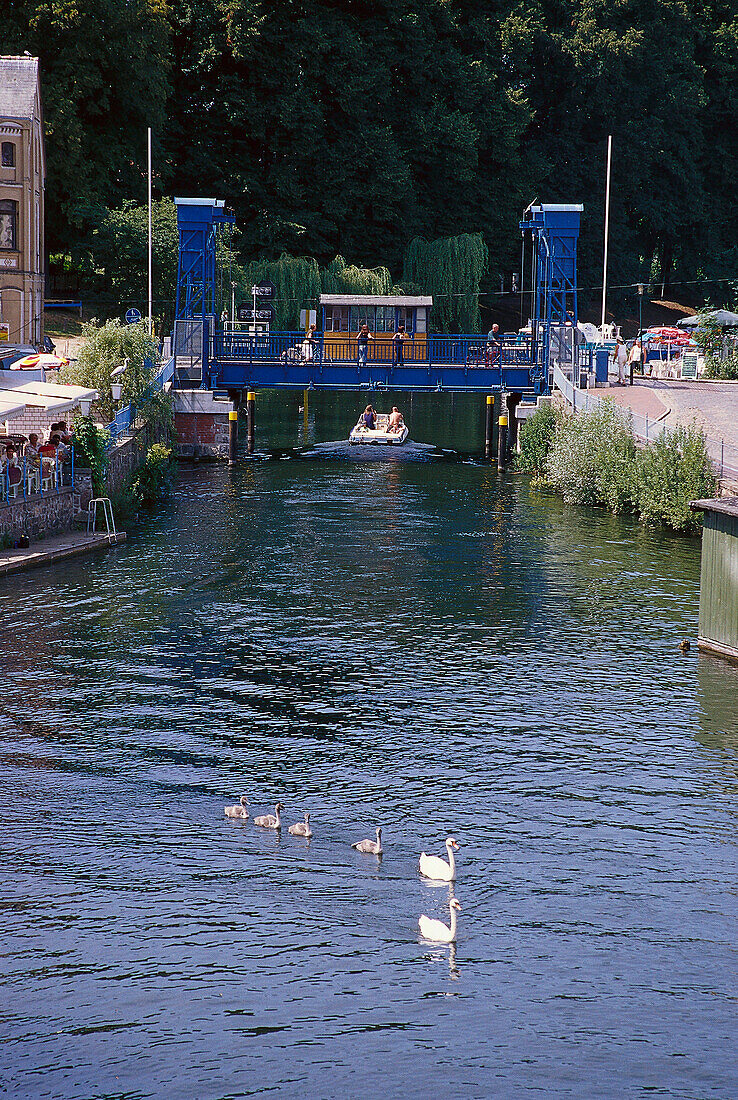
(465, 349)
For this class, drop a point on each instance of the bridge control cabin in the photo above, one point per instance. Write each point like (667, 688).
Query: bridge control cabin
(343, 315)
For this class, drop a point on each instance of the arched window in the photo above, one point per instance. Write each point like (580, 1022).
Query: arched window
(8, 154)
(8, 225)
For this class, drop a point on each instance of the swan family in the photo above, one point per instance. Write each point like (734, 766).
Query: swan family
(431, 867)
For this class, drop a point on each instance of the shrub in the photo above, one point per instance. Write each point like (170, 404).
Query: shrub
(727, 368)
(90, 443)
(592, 459)
(536, 438)
(105, 347)
(672, 471)
(154, 479)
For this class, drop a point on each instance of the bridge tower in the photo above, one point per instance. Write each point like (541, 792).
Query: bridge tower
(554, 232)
(198, 222)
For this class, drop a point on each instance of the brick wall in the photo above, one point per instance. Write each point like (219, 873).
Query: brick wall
(38, 420)
(201, 424)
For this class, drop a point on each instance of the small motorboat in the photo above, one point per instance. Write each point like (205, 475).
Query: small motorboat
(380, 434)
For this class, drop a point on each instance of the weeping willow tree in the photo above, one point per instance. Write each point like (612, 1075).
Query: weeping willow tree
(342, 278)
(451, 269)
(296, 286)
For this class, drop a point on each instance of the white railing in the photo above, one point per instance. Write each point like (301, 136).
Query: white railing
(724, 455)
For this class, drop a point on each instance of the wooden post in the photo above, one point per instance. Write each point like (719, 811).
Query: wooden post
(251, 413)
(489, 426)
(305, 412)
(502, 439)
(232, 437)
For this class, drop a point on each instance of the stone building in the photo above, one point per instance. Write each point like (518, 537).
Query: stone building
(22, 172)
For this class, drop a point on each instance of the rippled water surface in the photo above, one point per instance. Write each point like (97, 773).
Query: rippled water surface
(422, 646)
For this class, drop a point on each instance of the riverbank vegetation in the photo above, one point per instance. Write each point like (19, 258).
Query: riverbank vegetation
(593, 459)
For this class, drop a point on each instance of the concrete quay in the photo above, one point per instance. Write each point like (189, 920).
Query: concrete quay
(56, 549)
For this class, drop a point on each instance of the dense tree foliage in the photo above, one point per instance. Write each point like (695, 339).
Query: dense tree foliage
(352, 128)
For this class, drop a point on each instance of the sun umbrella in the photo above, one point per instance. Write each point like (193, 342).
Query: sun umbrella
(667, 335)
(722, 316)
(48, 362)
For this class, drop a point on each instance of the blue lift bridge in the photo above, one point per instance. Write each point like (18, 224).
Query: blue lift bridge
(220, 356)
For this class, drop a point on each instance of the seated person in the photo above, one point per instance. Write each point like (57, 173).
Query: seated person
(61, 448)
(66, 435)
(369, 418)
(31, 449)
(395, 422)
(10, 458)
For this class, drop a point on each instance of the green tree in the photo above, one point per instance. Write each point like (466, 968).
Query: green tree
(451, 270)
(115, 257)
(104, 79)
(107, 346)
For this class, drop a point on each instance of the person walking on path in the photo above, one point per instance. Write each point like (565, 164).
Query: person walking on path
(620, 357)
(362, 340)
(635, 358)
(398, 341)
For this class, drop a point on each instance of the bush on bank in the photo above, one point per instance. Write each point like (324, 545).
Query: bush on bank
(592, 458)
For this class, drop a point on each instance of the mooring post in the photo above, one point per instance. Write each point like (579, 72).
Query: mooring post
(502, 438)
(489, 426)
(232, 437)
(305, 412)
(251, 414)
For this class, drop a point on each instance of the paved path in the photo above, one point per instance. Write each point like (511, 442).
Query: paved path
(55, 549)
(639, 398)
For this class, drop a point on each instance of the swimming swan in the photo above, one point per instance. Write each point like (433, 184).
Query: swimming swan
(436, 930)
(437, 868)
(371, 847)
(270, 821)
(239, 810)
(302, 829)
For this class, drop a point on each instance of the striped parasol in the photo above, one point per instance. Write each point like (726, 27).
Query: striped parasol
(42, 359)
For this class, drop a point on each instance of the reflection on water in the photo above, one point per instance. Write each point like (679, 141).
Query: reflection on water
(423, 647)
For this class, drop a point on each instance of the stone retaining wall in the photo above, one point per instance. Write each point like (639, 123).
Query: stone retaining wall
(50, 514)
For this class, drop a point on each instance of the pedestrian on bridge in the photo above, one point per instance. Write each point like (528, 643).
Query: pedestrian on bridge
(398, 341)
(362, 340)
(494, 347)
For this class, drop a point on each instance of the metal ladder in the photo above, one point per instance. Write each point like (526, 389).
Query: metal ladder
(107, 509)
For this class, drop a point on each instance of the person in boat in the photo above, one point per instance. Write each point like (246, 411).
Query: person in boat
(369, 418)
(395, 422)
(362, 340)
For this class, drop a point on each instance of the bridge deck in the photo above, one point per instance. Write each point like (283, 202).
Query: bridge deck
(288, 361)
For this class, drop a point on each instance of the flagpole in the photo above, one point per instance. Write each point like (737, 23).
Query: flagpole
(607, 233)
(151, 292)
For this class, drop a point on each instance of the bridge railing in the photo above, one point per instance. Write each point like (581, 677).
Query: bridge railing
(465, 349)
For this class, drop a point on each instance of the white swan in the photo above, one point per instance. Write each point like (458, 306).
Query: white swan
(239, 810)
(371, 847)
(436, 930)
(302, 829)
(270, 821)
(437, 868)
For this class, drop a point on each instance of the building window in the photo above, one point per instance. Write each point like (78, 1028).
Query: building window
(8, 225)
(8, 154)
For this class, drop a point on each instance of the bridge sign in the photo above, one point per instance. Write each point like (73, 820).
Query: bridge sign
(265, 291)
(133, 316)
(265, 313)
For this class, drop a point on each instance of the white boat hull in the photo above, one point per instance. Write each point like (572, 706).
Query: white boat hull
(378, 435)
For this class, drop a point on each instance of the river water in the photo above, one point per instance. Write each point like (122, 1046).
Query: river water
(424, 646)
